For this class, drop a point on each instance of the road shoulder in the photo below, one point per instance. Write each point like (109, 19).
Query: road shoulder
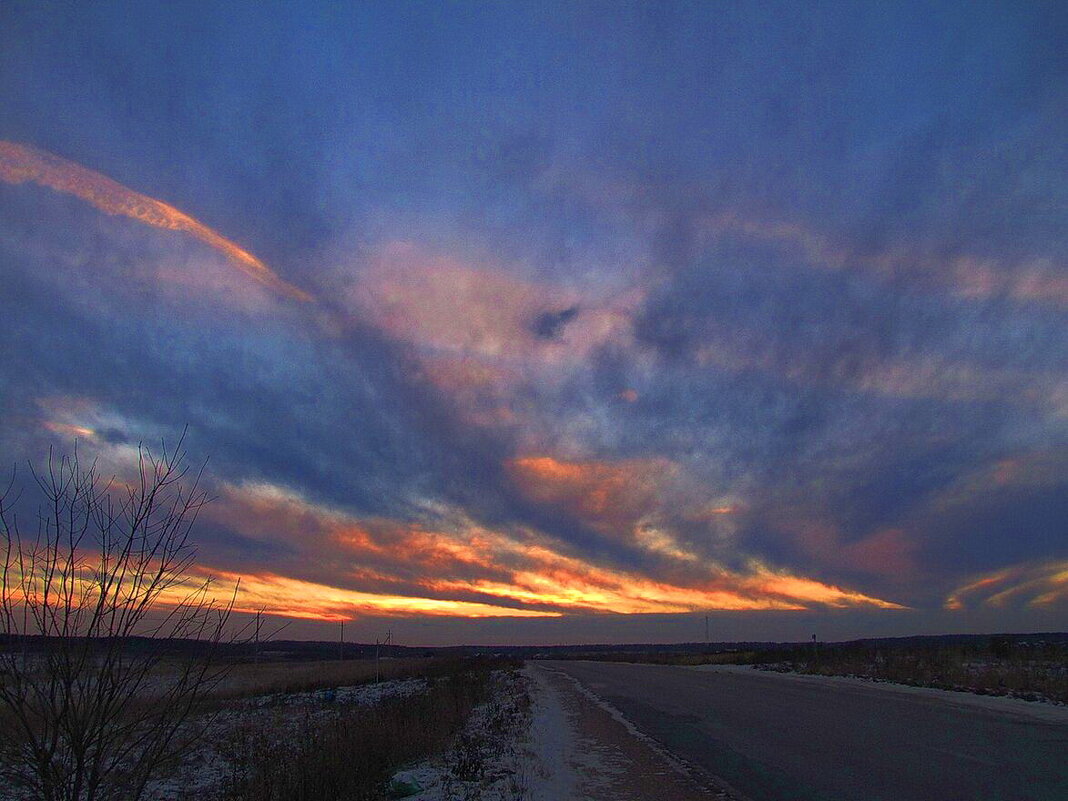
(588, 750)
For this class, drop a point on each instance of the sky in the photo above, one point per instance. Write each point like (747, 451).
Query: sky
(559, 322)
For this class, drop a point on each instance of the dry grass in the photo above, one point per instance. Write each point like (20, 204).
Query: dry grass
(1011, 665)
(1002, 667)
(352, 753)
(267, 678)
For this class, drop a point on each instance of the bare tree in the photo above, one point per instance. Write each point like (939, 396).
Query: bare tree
(98, 681)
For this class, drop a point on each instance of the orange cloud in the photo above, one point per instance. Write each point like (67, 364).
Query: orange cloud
(571, 584)
(82, 418)
(289, 597)
(1043, 468)
(475, 568)
(479, 329)
(712, 511)
(627, 500)
(269, 513)
(1037, 280)
(69, 429)
(447, 306)
(944, 379)
(482, 390)
(21, 163)
(1034, 585)
(611, 497)
(888, 552)
(805, 590)
(284, 596)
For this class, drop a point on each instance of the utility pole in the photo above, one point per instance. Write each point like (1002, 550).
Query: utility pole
(378, 643)
(706, 633)
(256, 641)
(341, 642)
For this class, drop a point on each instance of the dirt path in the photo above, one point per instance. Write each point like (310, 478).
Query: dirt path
(584, 749)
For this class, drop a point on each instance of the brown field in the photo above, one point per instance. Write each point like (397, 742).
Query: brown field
(347, 752)
(266, 678)
(1017, 667)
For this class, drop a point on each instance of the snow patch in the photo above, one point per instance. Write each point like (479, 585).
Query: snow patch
(523, 738)
(359, 695)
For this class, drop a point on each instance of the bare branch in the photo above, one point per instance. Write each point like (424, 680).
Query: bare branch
(93, 691)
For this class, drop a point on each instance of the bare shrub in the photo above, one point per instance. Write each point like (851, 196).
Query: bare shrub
(98, 676)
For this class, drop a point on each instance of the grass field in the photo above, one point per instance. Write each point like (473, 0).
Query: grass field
(314, 753)
(303, 730)
(1031, 668)
(265, 678)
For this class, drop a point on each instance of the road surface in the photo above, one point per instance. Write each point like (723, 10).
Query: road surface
(778, 738)
(580, 752)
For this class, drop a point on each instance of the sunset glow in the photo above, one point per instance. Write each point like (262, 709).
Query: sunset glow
(286, 597)
(511, 574)
(548, 324)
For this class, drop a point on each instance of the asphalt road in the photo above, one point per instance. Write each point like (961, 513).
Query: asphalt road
(779, 738)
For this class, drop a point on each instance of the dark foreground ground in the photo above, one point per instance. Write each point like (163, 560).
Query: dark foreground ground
(776, 737)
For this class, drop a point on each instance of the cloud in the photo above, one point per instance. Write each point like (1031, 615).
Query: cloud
(292, 598)
(1033, 585)
(446, 306)
(21, 163)
(633, 321)
(468, 563)
(1030, 280)
(450, 558)
(612, 497)
(499, 345)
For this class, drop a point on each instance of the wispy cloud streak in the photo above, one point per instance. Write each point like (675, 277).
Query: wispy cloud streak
(21, 163)
(1033, 585)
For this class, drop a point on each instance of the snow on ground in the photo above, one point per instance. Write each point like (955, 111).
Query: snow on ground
(201, 773)
(611, 759)
(570, 745)
(542, 736)
(550, 740)
(361, 695)
(529, 741)
(490, 760)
